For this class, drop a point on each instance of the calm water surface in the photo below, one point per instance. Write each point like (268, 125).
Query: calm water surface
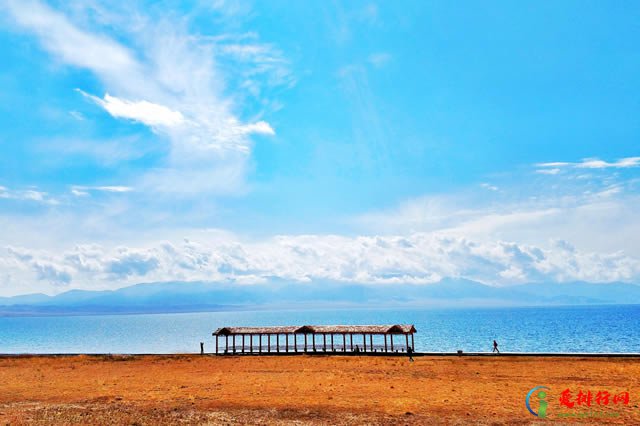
(556, 329)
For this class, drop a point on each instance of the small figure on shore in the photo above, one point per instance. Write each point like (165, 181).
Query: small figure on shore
(410, 353)
(357, 349)
(201, 348)
(495, 347)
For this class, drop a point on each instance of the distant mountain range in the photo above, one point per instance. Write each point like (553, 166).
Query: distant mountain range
(207, 296)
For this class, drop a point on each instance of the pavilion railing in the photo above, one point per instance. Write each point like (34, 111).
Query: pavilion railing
(314, 343)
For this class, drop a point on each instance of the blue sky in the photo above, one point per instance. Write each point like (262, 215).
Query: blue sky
(354, 141)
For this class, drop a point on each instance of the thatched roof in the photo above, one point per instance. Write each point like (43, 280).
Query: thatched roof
(366, 329)
(311, 329)
(255, 330)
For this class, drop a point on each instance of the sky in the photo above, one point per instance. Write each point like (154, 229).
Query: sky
(360, 141)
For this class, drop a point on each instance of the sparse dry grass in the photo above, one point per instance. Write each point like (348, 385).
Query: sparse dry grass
(192, 389)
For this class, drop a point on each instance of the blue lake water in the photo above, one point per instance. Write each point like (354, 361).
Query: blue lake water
(552, 329)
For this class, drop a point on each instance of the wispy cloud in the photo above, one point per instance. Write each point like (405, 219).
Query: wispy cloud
(261, 127)
(589, 163)
(599, 164)
(253, 67)
(169, 80)
(30, 195)
(379, 59)
(547, 208)
(489, 186)
(112, 188)
(145, 112)
(77, 115)
(550, 171)
(552, 238)
(370, 129)
(83, 191)
(72, 45)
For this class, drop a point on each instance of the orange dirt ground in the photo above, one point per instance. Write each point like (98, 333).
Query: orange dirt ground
(193, 389)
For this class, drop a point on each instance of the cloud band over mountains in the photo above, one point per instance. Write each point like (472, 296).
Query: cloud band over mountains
(419, 258)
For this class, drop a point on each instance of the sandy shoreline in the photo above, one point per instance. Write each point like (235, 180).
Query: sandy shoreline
(194, 389)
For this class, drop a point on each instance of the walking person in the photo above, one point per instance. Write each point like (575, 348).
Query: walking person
(410, 353)
(495, 347)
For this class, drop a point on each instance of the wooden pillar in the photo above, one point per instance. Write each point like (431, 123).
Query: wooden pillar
(226, 341)
(324, 342)
(260, 343)
(344, 342)
(305, 342)
(406, 336)
(233, 344)
(295, 342)
(385, 343)
(217, 343)
(371, 342)
(391, 342)
(364, 342)
(268, 343)
(251, 343)
(332, 342)
(286, 342)
(351, 338)
(243, 343)
(413, 348)
(277, 343)
(313, 336)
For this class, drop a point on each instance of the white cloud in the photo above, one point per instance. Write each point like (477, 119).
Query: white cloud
(178, 84)
(175, 82)
(580, 211)
(416, 258)
(78, 192)
(83, 191)
(261, 127)
(145, 112)
(591, 163)
(31, 195)
(494, 237)
(38, 266)
(69, 43)
(113, 188)
(489, 186)
(599, 164)
(129, 263)
(52, 274)
(553, 164)
(253, 67)
(554, 171)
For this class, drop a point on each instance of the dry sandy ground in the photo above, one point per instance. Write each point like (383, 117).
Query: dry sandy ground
(193, 389)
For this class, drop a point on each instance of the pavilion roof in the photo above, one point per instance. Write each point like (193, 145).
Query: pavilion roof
(256, 330)
(310, 329)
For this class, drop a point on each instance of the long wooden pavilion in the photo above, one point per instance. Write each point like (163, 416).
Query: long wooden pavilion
(315, 338)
